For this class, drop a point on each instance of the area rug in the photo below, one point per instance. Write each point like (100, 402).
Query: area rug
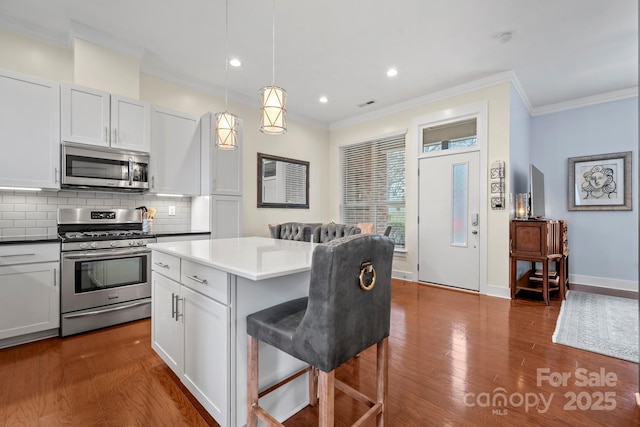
(599, 323)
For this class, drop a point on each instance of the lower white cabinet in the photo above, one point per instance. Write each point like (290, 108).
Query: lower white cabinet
(191, 332)
(30, 290)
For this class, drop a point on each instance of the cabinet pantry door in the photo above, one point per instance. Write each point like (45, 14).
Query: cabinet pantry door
(130, 124)
(166, 331)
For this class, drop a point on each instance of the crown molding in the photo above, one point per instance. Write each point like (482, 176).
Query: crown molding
(586, 101)
(92, 35)
(483, 83)
(34, 32)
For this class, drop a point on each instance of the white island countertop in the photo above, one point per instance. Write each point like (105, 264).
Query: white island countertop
(255, 258)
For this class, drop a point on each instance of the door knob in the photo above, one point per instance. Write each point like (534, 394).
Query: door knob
(474, 231)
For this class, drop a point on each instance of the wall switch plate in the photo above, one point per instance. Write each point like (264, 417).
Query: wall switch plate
(172, 210)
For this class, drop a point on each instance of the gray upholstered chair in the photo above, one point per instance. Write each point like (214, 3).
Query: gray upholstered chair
(327, 232)
(292, 231)
(347, 311)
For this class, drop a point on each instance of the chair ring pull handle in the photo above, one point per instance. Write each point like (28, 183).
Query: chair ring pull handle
(367, 268)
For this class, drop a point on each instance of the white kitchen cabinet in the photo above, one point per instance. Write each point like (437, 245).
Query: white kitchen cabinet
(90, 116)
(222, 169)
(166, 332)
(29, 285)
(226, 216)
(191, 329)
(175, 153)
(29, 131)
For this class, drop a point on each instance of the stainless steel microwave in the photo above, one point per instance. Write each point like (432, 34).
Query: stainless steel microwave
(97, 168)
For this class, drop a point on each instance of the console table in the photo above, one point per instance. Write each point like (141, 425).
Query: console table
(539, 242)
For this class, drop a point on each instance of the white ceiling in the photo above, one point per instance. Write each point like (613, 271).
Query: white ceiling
(561, 50)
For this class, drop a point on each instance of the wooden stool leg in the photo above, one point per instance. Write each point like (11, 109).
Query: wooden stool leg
(382, 373)
(545, 281)
(326, 384)
(313, 386)
(252, 381)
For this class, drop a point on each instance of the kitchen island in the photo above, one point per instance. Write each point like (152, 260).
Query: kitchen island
(211, 286)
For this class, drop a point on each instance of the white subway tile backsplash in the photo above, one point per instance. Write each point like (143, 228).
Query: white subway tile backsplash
(13, 215)
(36, 215)
(25, 213)
(13, 199)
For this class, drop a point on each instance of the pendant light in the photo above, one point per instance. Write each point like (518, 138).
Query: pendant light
(226, 124)
(273, 99)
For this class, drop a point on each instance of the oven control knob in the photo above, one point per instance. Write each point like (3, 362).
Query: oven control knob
(140, 243)
(132, 243)
(83, 246)
(94, 245)
(113, 244)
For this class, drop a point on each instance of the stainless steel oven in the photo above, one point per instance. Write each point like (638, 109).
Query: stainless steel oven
(106, 268)
(104, 168)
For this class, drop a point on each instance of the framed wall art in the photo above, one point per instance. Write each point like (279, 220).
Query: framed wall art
(600, 182)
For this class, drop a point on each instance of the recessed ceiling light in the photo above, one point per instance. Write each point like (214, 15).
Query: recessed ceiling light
(235, 62)
(392, 72)
(324, 99)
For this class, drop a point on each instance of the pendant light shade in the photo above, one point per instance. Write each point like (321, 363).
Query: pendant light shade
(225, 125)
(226, 131)
(273, 114)
(273, 99)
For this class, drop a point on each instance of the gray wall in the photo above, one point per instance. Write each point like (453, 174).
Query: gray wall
(603, 244)
(520, 137)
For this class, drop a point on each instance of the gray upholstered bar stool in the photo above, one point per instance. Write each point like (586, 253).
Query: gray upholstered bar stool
(347, 311)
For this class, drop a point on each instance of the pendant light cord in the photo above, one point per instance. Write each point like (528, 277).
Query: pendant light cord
(226, 52)
(273, 42)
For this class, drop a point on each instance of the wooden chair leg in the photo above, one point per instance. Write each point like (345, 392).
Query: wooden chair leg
(313, 386)
(326, 384)
(382, 383)
(252, 381)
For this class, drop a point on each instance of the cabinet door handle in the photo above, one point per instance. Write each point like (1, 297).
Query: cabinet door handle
(197, 279)
(106, 134)
(177, 313)
(173, 305)
(55, 277)
(153, 181)
(55, 173)
(162, 265)
(15, 255)
(115, 135)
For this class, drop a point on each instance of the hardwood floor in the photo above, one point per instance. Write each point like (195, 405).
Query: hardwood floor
(452, 354)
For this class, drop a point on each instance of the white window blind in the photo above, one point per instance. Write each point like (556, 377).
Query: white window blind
(373, 185)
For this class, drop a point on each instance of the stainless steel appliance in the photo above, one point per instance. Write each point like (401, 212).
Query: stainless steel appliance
(99, 168)
(106, 268)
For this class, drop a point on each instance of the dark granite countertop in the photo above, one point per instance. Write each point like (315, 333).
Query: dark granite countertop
(36, 238)
(180, 233)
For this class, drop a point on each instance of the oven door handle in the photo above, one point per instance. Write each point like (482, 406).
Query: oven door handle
(106, 310)
(106, 254)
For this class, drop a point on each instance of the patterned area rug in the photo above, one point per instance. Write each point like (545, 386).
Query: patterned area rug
(599, 323)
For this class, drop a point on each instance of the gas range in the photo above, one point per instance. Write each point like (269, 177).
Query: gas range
(88, 228)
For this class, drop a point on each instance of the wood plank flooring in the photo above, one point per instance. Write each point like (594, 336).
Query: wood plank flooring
(453, 355)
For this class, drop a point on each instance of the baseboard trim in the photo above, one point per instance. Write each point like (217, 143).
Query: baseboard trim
(605, 283)
(402, 275)
(498, 291)
(603, 291)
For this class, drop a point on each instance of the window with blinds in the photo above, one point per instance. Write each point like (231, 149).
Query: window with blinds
(373, 185)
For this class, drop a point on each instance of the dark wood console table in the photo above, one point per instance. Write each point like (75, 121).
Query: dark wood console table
(539, 242)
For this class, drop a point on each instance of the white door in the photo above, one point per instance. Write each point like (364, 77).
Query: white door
(85, 115)
(166, 329)
(449, 208)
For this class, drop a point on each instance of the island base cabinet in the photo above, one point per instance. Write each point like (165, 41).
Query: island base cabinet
(206, 340)
(190, 333)
(30, 299)
(166, 329)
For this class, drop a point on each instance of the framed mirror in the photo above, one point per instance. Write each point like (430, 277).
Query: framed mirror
(282, 182)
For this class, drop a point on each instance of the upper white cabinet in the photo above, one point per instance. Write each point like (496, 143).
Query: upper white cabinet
(29, 131)
(222, 169)
(91, 116)
(175, 153)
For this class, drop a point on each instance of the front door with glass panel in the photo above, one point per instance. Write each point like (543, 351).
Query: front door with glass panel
(449, 232)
